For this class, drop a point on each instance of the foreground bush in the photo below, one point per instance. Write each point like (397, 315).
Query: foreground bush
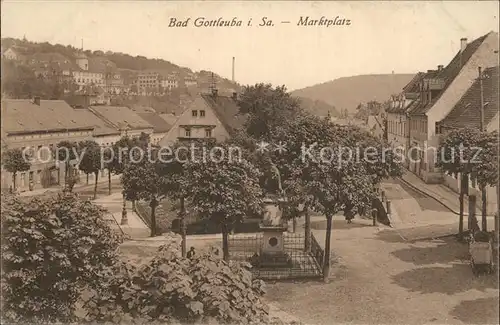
(52, 248)
(173, 289)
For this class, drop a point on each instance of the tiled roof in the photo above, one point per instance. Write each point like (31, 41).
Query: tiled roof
(412, 86)
(100, 126)
(466, 112)
(121, 117)
(227, 111)
(450, 72)
(24, 116)
(169, 118)
(159, 124)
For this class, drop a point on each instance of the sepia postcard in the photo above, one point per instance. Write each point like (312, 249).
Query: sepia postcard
(250, 162)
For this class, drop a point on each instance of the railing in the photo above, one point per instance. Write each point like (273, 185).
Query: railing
(299, 263)
(317, 252)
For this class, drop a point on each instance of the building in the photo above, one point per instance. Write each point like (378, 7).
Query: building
(37, 126)
(169, 82)
(210, 116)
(190, 80)
(466, 114)
(439, 92)
(397, 114)
(16, 53)
(148, 82)
(123, 119)
(160, 125)
(376, 125)
(87, 72)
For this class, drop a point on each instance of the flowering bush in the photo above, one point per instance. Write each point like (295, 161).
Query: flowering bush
(174, 289)
(52, 248)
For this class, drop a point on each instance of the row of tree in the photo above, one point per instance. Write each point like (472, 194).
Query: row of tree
(226, 192)
(472, 154)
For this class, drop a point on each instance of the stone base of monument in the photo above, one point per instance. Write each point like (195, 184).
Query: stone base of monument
(272, 260)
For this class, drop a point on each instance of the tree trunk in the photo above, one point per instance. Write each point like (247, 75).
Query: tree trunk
(461, 201)
(183, 228)
(153, 204)
(326, 261)
(225, 242)
(109, 182)
(307, 230)
(87, 179)
(95, 184)
(294, 222)
(484, 220)
(14, 182)
(133, 205)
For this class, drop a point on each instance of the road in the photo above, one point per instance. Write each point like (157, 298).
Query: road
(379, 278)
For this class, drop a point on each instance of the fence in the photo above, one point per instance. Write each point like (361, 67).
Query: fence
(303, 264)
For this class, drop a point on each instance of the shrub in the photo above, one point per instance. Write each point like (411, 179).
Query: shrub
(52, 248)
(170, 288)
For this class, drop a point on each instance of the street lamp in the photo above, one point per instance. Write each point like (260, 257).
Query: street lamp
(124, 221)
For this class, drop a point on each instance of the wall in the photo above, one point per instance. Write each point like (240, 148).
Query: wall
(491, 194)
(484, 57)
(186, 118)
(38, 168)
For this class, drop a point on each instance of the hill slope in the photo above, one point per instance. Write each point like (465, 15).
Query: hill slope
(348, 92)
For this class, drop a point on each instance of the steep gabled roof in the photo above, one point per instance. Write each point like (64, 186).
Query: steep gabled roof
(227, 111)
(450, 72)
(466, 112)
(24, 116)
(412, 86)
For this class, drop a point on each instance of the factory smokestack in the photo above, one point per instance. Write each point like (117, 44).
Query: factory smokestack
(233, 70)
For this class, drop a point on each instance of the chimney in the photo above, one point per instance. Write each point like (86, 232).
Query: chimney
(235, 95)
(233, 70)
(36, 100)
(440, 68)
(463, 44)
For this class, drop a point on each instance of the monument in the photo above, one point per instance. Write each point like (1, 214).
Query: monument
(272, 251)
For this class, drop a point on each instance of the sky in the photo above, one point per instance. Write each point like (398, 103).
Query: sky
(404, 37)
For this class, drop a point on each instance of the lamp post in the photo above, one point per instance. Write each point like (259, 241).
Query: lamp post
(124, 221)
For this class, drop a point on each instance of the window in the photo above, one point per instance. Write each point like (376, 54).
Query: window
(23, 179)
(202, 113)
(208, 133)
(187, 132)
(195, 113)
(38, 176)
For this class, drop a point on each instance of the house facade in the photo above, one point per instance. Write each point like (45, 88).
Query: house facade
(209, 116)
(466, 114)
(36, 127)
(440, 90)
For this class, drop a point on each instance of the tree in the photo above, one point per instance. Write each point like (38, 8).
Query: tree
(267, 108)
(142, 179)
(14, 162)
(485, 171)
(117, 156)
(53, 248)
(225, 192)
(67, 152)
(90, 162)
(338, 187)
(456, 152)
